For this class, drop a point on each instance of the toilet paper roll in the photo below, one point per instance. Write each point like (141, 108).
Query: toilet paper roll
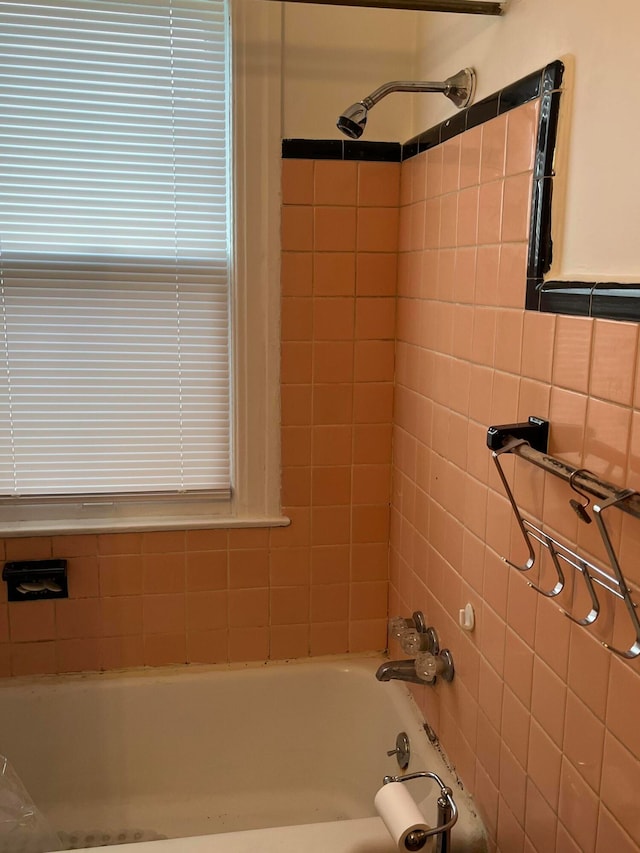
(399, 811)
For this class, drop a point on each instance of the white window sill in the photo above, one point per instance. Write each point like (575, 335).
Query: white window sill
(133, 525)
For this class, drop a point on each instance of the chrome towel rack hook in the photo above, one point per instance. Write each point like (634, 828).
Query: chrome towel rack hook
(529, 442)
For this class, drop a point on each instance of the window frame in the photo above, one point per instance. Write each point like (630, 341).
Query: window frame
(256, 98)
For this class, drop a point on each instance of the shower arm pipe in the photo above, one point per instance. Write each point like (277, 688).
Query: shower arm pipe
(462, 7)
(403, 86)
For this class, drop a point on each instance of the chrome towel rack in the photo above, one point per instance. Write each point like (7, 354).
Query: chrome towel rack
(529, 441)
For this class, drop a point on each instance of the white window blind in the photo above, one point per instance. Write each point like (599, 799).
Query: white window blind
(114, 247)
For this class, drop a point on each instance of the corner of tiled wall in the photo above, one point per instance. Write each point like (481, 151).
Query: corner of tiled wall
(535, 719)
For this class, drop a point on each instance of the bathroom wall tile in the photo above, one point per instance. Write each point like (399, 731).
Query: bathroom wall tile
(589, 667)
(374, 361)
(206, 570)
(368, 600)
(208, 611)
(297, 181)
(540, 821)
(121, 652)
(33, 658)
(512, 275)
(418, 178)
(248, 643)
(335, 182)
(79, 618)
(332, 404)
(334, 273)
(494, 135)
(490, 213)
(163, 614)
(378, 184)
(296, 362)
(513, 783)
(297, 229)
(607, 440)
(620, 782)
(295, 405)
(121, 616)
(564, 842)
(330, 564)
(163, 542)
(248, 569)
(375, 319)
(467, 231)
(516, 208)
(543, 764)
(207, 540)
(288, 641)
(522, 124)
(583, 740)
(611, 836)
(537, 345)
(514, 726)
(331, 525)
(434, 172)
(289, 605)
(83, 577)
(248, 608)
(79, 655)
(377, 229)
(368, 635)
(578, 807)
(488, 748)
(296, 486)
(30, 621)
(296, 318)
(487, 268)
(376, 273)
(296, 273)
(333, 319)
(331, 486)
(567, 413)
(470, 151)
(28, 548)
(510, 834)
(329, 638)
(208, 646)
(614, 344)
(552, 636)
(486, 799)
(164, 572)
(334, 229)
(518, 667)
(548, 701)
(572, 354)
(82, 545)
(451, 165)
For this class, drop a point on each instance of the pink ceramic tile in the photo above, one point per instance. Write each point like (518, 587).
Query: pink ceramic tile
(493, 149)
(614, 348)
(247, 644)
(78, 619)
(297, 181)
(572, 353)
(121, 652)
(552, 636)
(516, 210)
(490, 213)
(377, 229)
(540, 822)
(512, 274)
(163, 572)
(624, 693)
(288, 641)
(607, 439)
(513, 783)
(120, 575)
(367, 635)
(583, 740)
(163, 614)
(329, 638)
(296, 273)
(376, 273)
(543, 764)
(335, 182)
(611, 836)
(33, 658)
(121, 616)
(589, 666)
(28, 548)
(578, 807)
(467, 233)
(488, 748)
(334, 273)
(488, 262)
(522, 134)
(83, 577)
(31, 621)
(329, 603)
(515, 726)
(434, 171)
(334, 229)
(548, 701)
(451, 165)
(207, 611)
(208, 646)
(248, 569)
(296, 229)
(378, 184)
(78, 655)
(74, 546)
(207, 540)
(470, 150)
(537, 345)
(510, 833)
(248, 608)
(620, 785)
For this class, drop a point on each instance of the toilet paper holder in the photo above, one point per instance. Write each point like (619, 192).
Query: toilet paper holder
(447, 814)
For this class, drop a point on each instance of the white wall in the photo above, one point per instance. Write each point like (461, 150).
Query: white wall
(600, 218)
(334, 56)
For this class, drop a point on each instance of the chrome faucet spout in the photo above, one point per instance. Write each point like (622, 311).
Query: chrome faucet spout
(402, 670)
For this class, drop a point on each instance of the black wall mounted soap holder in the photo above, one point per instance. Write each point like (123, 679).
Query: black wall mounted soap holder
(32, 580)
(529, 441)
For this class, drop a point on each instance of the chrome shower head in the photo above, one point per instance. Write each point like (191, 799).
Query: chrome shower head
(460, 89)
(353, 120)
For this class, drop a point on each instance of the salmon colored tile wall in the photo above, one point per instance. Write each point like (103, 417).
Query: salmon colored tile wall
(317, 587)
(540, 720)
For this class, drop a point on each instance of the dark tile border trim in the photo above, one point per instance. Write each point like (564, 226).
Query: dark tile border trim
(338, 149)
(603, 299)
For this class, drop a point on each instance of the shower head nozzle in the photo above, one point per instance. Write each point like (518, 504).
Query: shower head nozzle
(460, 89)
(353, 120)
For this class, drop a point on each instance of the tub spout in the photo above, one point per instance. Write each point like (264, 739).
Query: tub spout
(403, 670)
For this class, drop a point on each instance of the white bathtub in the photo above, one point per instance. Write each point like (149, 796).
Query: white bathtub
(271, 757)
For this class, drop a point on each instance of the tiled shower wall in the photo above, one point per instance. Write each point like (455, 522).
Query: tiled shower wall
(539, 720)
(316, 587)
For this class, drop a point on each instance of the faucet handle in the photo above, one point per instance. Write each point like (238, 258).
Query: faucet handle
(429, 666)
